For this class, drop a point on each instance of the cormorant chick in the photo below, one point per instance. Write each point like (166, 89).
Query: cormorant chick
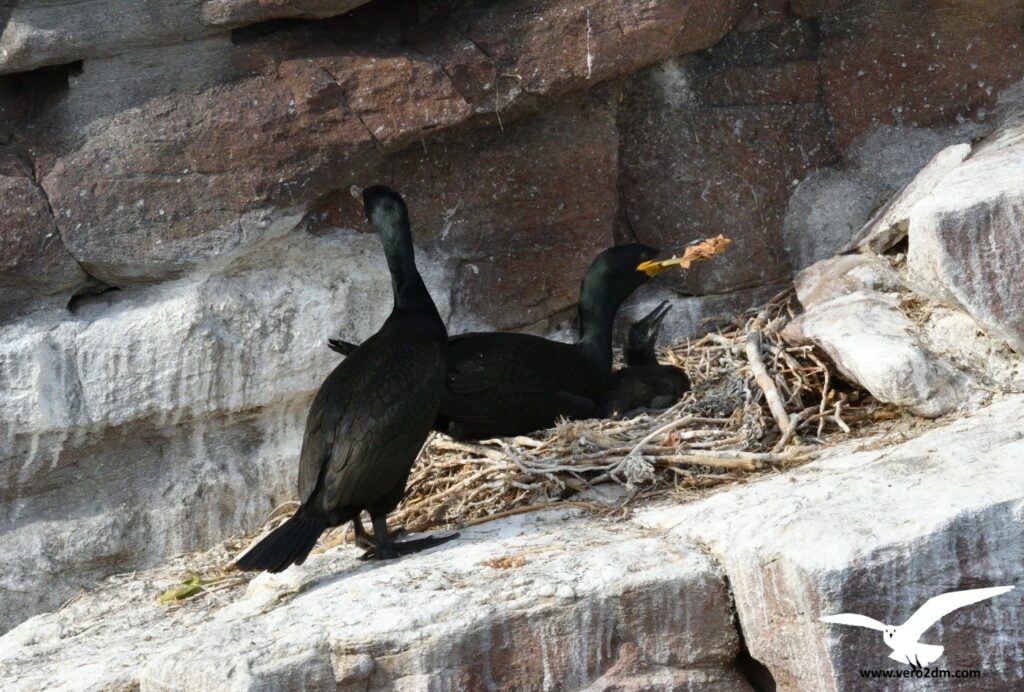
(645, 383)
(502, 383)
(371, 415)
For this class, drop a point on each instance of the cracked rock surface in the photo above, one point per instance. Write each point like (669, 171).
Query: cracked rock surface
(174, 249)
(876, 530)
(593, 602)
(653, 602)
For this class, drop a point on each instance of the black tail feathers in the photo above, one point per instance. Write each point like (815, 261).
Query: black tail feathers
(286, 545)
(343, 347)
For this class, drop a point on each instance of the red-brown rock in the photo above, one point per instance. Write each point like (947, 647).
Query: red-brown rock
(763, 13)
(551, 46)
(521, 210)
(689, 171)
(194, 177)
(13, 107)
(33, 260)
(817, 8)
(904, 62)
(783, 41)
(783, 83)
(199, 176)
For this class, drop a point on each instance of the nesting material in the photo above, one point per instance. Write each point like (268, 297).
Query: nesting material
(757, 405)
(703, 250)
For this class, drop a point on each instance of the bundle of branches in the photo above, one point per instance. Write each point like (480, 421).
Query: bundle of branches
(756, 404)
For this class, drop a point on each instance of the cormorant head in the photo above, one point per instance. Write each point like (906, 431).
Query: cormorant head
(384, 207)
(616, 273)
(386, 212)
(643, 335)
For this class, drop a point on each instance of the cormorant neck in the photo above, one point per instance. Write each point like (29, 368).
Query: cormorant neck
(406, 283)
(596, 322)
(640, 352)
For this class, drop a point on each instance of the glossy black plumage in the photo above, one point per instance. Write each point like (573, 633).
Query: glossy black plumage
(644, 383)
(501, 383)
(371, 415)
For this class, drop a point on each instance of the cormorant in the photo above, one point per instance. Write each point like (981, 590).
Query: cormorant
(645, 383)
(371, 415)
(502, 383)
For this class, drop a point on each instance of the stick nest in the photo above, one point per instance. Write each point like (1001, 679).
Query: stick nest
(756, 404)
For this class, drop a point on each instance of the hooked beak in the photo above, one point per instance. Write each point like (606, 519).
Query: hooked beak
(663, 310)
(705, 249)
(356, 192)
(652, 267)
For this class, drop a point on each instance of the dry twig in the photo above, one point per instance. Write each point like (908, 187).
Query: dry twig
(753, 396)
(734, 422)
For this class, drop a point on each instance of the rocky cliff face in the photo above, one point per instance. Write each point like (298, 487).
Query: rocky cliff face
(175, 249)
(724, 593)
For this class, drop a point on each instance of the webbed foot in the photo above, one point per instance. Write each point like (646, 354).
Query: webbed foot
(392, 549)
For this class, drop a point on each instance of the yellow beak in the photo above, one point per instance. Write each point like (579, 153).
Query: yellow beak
(705, 249)
(652, 267)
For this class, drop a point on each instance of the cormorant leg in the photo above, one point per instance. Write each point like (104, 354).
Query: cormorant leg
(389, 548)
(362, 539)
(365, 540)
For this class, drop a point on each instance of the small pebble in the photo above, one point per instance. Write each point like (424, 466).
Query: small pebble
(433, 585)
(545, 590)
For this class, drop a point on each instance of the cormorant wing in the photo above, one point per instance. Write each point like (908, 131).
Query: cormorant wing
(479, 372)
(504, 381)
(936, 607)
(316, 447)
(481, 362)
(382, 413)
(854, 619)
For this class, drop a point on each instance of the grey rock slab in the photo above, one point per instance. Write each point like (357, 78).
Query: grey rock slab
(691, 316)
(159, 420)
(232, 13)
(873, 344)
(828, 209)
(959, 339)
(967, 237)
(843, 275)
(876, 529)
(825, 211)
(891, 223)
(439, 620)
(54, 32)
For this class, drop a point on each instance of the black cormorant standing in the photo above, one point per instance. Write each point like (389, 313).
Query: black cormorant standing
(502, 383)
(371, 415)
(644, 382)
